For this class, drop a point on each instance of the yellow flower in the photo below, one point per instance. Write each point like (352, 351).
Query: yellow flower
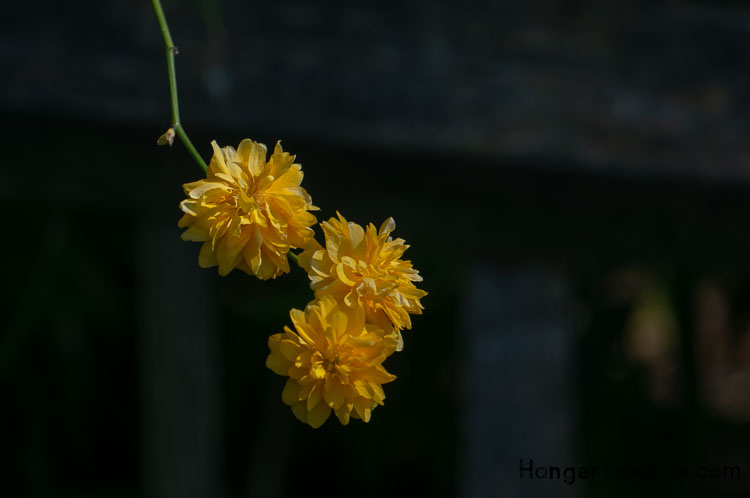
(333, 361)
(248, 212)
(362, 268)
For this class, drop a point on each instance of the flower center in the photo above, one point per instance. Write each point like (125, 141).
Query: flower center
(248, 201)
(371, 280)
(330, 365)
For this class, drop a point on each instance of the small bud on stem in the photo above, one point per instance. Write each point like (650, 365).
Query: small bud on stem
(167, 138)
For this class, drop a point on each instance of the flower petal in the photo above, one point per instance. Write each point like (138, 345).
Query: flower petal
(318, 415)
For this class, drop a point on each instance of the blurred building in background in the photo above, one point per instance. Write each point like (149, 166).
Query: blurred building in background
(573, 178)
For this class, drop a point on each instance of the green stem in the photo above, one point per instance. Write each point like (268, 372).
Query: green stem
(171, 51)
(293, 257)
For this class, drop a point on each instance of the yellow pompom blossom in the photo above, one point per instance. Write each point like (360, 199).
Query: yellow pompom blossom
(248, 212)
(334, 362)
(363, 268)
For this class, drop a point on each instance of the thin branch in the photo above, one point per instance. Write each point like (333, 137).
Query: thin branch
(176, 128)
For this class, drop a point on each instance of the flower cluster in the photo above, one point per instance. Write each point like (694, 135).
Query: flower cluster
(363, 268)
(334, 362)
(249, 213)
(364, 293)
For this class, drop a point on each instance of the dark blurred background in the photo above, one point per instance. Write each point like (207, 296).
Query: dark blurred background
(573, 178)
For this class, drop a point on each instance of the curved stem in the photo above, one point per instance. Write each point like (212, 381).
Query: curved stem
(189, 146)
(176, 126)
